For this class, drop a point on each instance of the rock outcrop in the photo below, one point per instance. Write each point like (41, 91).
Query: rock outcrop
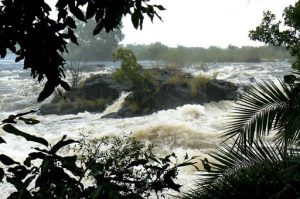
(93, 96)
(99, 91)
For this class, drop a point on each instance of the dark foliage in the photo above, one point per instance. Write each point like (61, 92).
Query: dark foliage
(181, 56)
(270, 31)
(105, 168)
(142, 83)
(260, 171)
(93, 48)
(267, 108)
(27, 30)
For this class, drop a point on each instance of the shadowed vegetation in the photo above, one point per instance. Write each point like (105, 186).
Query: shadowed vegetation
(180, 56)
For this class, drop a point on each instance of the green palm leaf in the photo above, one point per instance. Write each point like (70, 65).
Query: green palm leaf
(265, 108)
(261, 171)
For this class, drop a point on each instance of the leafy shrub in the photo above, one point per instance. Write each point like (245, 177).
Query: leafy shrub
(129, 166)
(142, 83)
(199, 81)
(177, 79)
(195, 83)
(115, 168)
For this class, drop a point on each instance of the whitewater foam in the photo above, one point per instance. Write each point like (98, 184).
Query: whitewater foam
(192, 128)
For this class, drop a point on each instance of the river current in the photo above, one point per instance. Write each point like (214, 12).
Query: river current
(192, 128)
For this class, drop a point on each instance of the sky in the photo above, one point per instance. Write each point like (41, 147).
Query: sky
(204, 23)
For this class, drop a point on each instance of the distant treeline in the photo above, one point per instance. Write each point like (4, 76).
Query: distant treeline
(184, 55)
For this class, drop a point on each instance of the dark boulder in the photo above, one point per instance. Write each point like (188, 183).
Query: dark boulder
(173, 89)
(217, 90)
(93, 96)
(170, 96)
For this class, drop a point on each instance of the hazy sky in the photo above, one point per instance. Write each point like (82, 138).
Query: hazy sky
(202, 23)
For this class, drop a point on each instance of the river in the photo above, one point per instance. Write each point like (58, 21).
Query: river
(191, 128)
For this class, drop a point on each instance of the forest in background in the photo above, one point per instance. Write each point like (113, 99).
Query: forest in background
(102, 46)
(183, 55)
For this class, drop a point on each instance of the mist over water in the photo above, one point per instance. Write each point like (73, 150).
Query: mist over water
(191, 128)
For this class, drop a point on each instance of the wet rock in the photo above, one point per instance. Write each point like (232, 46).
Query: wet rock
(93, 96)
(99, 91)
(217, 90)
(113, 115)
(171, 96)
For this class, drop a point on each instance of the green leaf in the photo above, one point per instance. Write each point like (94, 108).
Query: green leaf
(19, 171)
(160, 7)
(206, 165)
(29, 121)
(72, 36)
(69, 163)
(7, 160)
(1, 140)
(61, 3)
(34, 156)
(19, 58)
(3, 53)
(186, 156)
(1, 175)
(168, 179)
(29, 180)
(47, 91)
(65, 85)
(98, 192)
(289, 79)
(135, 18)
(61, 144)
(77, 13)
(70, 22)
(11, 129)
(91, 10)
(98, 28)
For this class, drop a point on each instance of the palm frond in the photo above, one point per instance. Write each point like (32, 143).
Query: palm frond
(260, 110)
(261, 169)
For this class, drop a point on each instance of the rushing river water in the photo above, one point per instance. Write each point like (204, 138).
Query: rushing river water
(191, 128)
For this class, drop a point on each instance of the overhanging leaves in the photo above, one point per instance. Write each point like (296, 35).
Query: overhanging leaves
(7, 160)
(47, 91)
(260, 110)
(11, 129)
(41, 41)
(61, 144)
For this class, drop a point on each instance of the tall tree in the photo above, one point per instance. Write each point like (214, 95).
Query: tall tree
(284, 34)
(98, 47)
(27, 30)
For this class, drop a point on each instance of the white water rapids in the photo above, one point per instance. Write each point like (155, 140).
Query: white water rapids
(191, 128)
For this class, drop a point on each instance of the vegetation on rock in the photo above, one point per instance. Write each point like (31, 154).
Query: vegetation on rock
(142, 83)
